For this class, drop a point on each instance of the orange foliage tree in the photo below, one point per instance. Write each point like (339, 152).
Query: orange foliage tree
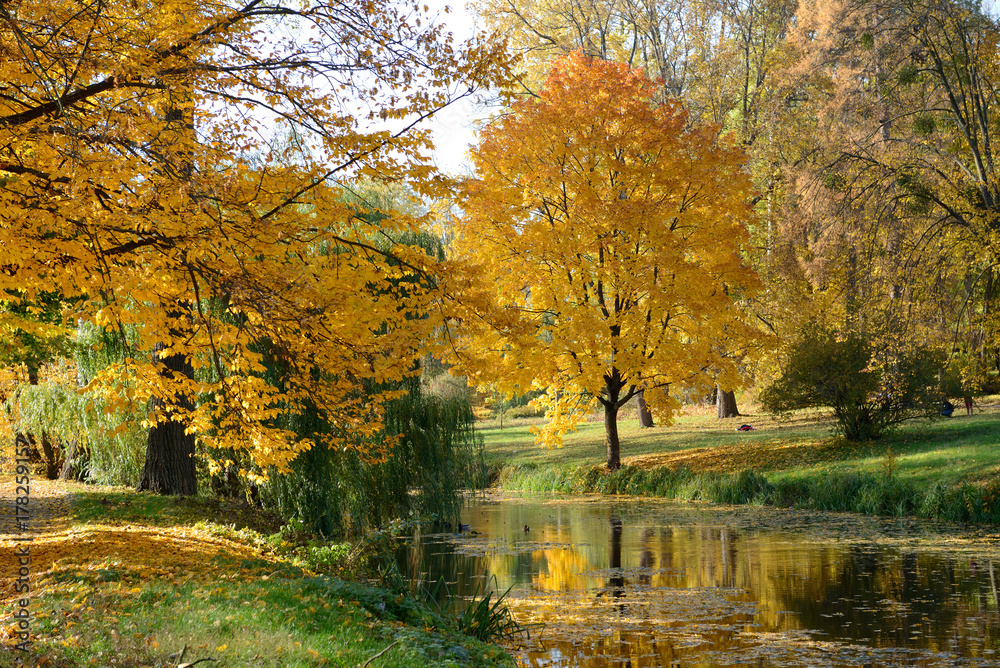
(139, 179)
(609, 231)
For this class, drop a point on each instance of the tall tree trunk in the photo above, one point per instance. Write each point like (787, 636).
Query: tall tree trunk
(611, 436)
(725, 404)
(645, 417)
(169, 467)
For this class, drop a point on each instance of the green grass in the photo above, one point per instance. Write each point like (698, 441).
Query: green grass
(122, 505)
(263, 621)
(948, 468)
(143, 577)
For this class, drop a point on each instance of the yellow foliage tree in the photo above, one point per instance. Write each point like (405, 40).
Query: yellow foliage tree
(136, 180)
(609, 232)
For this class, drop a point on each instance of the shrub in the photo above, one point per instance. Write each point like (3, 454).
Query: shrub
(527, 411)
(870, 394)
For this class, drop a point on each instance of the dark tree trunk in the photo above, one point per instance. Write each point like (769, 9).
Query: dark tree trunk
(53, 459)
(611, 436)
(645, 417)
(169, 467)
(611, 404)
(74, 463)
(725, 404)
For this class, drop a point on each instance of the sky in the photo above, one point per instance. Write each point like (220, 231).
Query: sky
(454, 127)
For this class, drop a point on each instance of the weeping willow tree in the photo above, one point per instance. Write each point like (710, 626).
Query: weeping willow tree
(86, 436)
(334, 492)
(429, 450)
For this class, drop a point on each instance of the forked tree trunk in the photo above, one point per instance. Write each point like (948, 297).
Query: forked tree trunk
(725, 404)
(645, 417)
(169, 467)
(611, 403)
(53, 458)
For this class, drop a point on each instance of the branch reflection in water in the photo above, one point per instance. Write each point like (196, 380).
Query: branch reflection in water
(652, 583)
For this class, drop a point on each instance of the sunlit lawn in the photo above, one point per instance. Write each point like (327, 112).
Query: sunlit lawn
(960, 448)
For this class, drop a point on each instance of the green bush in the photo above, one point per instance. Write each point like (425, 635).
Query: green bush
(333, 492)
(870, 394)
(526, 411)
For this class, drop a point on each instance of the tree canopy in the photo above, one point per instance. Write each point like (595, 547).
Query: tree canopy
(140, 181)
(608, 230)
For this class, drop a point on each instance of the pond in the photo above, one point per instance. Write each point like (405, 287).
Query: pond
(639, 582)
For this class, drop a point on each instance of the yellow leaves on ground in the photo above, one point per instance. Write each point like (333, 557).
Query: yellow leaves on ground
(142, 552)
(135, 553)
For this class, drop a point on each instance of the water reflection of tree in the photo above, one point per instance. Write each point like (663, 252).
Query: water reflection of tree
(849, 590)
(616, 581)
(646, 558)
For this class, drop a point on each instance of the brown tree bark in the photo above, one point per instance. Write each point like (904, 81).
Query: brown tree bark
(170, 465)
(645, 417)
(74, 466)
(612, 401)
(725, 404)
(611, 440)
(53, 458)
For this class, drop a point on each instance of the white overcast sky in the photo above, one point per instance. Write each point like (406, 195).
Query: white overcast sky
(454, 127)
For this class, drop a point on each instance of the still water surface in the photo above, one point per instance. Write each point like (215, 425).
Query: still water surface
(638, 582)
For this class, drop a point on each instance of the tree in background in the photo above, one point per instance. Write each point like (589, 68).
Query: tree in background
(869, 396)
(892, 212)
(196, 243)
(720, 58)
(608, 231)
(33, 335)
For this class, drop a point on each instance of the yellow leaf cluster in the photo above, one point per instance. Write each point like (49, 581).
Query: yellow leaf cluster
(607, 230)
(174, 174)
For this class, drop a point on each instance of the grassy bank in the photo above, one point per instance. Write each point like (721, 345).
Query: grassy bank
(138, 580)
(946, 469)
